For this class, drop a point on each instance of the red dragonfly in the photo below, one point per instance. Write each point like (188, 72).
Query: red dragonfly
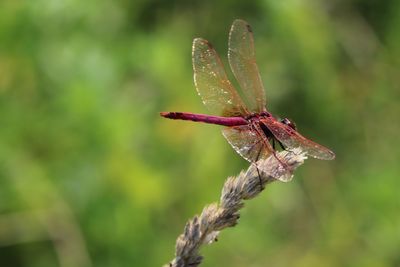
(251, 130)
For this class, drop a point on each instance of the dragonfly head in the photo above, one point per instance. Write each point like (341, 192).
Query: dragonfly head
(289, 123)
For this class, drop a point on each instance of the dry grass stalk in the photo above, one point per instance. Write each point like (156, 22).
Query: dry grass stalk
(204, 228)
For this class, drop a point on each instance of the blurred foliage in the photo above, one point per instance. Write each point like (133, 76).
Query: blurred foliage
(90, 175)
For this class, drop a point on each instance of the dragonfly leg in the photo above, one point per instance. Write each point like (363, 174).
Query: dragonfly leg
(282, 163)
(258, 171)
(266, 140)
(274, 144)
(280, 144)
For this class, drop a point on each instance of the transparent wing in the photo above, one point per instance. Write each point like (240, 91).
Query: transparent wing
(247, 142)
(212, 84)
(242, 60)
(292, 139)
(252, 145)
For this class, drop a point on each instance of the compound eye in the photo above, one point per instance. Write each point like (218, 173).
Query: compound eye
(289, 123)
(285, 121)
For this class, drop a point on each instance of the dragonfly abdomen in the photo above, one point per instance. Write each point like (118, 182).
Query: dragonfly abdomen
(225, 121)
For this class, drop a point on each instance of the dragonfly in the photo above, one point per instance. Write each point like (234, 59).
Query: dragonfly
(251, 129)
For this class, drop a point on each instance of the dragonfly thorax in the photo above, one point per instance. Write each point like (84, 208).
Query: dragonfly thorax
(257, 116)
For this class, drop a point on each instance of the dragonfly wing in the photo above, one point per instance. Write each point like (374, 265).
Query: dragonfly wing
(241, 55)
(212, 84)
(252, 145)
(292, 139)
(247, 142)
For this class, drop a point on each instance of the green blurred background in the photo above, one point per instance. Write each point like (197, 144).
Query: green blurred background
(90, 175)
